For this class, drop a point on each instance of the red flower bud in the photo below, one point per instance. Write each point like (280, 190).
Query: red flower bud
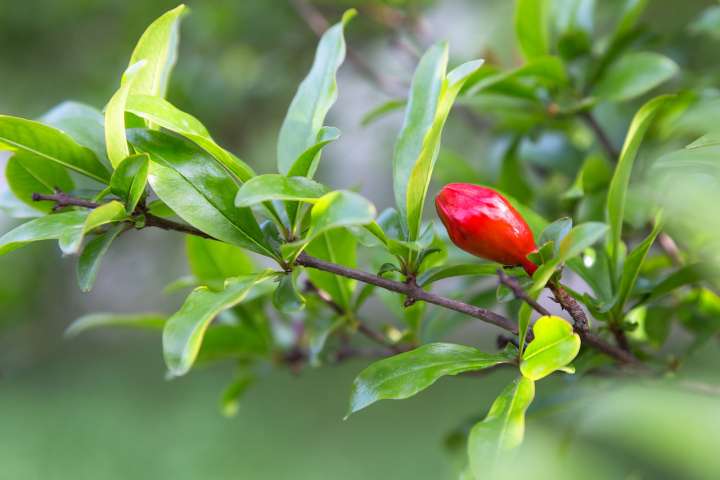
(480, 221)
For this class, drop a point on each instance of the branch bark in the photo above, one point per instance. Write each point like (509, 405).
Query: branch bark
(602, 137)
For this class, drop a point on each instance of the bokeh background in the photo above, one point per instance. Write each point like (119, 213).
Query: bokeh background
(98, 406)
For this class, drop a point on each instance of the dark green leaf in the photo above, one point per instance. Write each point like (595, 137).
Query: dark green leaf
(27, 174)
(212, 262)
(406, 374)
(91, 256)
(129, 179)
(287, 298)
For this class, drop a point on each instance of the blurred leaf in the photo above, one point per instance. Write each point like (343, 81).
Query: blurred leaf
(199, 190)
(621, 178)
(314, 97)
(85, 124)
(382, 110)
(544, 70)
(556, 232)
(555, 345)
(531, 27)
(212, 262)
(164, 114)
(278, 187)
(633, 75)
(91, 256)
(580, 237)
(230, 400)
(184, 331)
(339, 247)
(27, 174)
(20, 135)
(287, 298)
(129, 179)
(594, 175)
(686, 275)
(708, 23)
(513, 176)
(403, 375)
(434, 274)
(153, 321)
(50, 227)
(594, 269)
(502, 429)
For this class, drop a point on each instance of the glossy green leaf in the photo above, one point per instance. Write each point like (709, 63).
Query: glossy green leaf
(50, 144)
(129, 179)
(434, 274)
(199, 190)
(184, 331)
(633, 264)
(50, 227)
(92, 255)
(160, 112)
(531, 27)
(621, 178)
(339, 247)
(27, 174)
(152, 321)
(556, 232)
(404, 375)
(85, 124)
(502, 429)
(287, 297)
(432, 95)
(212, 262)
(278, 187)
(71, 240)
(307, 163)
(555, 345)
(314, 97)
(115, 139)
(633, 75)
(157, 47)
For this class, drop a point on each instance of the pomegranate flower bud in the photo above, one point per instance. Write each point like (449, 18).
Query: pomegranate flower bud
(482, 222)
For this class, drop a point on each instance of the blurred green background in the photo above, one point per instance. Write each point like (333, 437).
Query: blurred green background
(98, 406)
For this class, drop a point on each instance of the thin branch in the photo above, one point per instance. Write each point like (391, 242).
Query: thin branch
(602, 137)
(63, 200)
(569, 304)
(520, 293)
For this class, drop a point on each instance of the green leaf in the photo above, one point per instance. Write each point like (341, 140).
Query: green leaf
(115, 139)
(129, 179)
(184, 331)
(633, 264)
(524, 317)
(287, 298)
(556, 232)
(160, 112)
(315, 95)
(27, 174)
(37, 139)
(382, 110)
(546, 70)
(212, 262)
(230, 400)
(339, 247)
(580, 237)
(71, 240)
(633, 75)
(434, 274)
(153, 321)
(157, 47)
(91, 256)
(307, 163)
(85, 124)
(555, 345)
(502, 429)
(621, 178)
(406, 374)
(50, 227)
(278, 187)
(531, 27)
(432, 94)
(199, 190)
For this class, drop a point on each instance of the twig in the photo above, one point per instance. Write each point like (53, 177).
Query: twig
(520, 293)
(569, 305)
(63, 200)
(602, 137)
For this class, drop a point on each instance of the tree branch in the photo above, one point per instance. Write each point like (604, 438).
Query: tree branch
(602, 137)
(520, 293)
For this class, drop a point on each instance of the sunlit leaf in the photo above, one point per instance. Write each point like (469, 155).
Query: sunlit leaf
(129, 179)
(555, 345)
(152, 321)
(278, 187)
(531, 27)
(212, 262)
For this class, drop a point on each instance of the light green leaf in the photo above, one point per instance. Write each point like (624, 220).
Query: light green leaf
(432, 95)
(91, 256)
(314, 97)
(212, 262)
(115, 139)
(153, 321)
(434, 274)
(633, 264)
(337, 246)
(71, 240)
(579, 238)
(524, 317)
(129, 179)
(531, 27)
(621, 178)
(382, 110)
(286, 297)
(278, 187)
(157, 47)
(184, 331)
(50, 144)
(404, 375)
(502, 429)
(555, 345)
(633, 75)
(230, 400)
(27, 174)
(160, 112)
(199, 190)
(307, 162)
(85, 124)
(49, 227)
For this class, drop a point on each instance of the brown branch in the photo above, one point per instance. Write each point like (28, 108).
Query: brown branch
(520, 293)
(602, 137)
(569, 304)
(63, 200)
